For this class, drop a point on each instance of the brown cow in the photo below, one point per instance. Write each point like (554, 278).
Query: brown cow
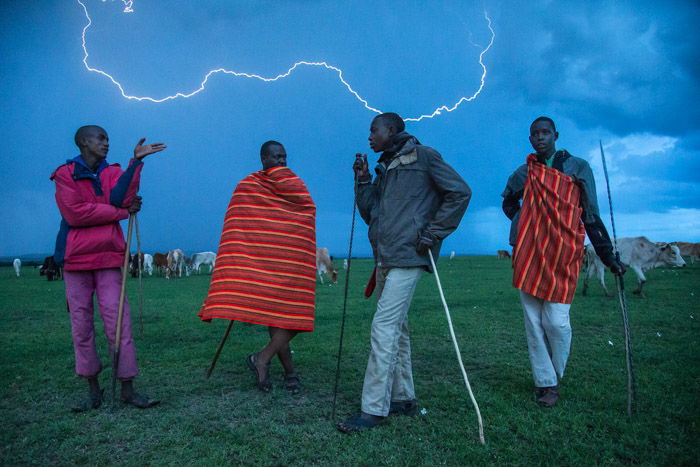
(160, 262)
(692, 250)
(325, 265)
(176, 260)
(503, 254)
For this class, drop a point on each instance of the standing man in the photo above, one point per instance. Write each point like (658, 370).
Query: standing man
(414, 202)
(93, 196)
(559, 206)
(265, 269)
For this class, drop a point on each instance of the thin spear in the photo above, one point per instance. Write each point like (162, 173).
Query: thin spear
(631, 386)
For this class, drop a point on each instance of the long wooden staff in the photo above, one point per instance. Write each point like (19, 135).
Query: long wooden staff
(218, 351)
(120, 313)
(459, 355)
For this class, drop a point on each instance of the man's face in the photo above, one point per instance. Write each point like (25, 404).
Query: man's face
(96, 143)
(381, 135)
(542, 138)
(276, 157)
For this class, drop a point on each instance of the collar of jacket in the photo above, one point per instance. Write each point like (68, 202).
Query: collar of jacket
(560, 156)
(81, 170)
(401, 152)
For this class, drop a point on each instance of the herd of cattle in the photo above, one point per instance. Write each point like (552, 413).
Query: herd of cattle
(638, 253)
(172, 263)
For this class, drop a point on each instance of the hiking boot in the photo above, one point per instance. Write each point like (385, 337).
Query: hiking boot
(548, 397)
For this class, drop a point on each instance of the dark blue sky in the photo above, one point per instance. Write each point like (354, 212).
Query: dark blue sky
(626, 72)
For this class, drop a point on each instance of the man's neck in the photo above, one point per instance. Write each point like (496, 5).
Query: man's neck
(91, 161)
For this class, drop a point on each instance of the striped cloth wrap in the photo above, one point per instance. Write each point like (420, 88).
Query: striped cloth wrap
(265, 269)
(550, 243)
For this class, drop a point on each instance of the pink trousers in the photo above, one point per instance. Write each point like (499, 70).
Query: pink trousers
(81, 286)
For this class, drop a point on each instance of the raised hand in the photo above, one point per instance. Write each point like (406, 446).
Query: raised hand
(141, 150)
(360, 167)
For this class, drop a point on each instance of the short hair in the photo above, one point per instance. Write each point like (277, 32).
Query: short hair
(545, 119)
(84, 131)
(265, 148)
(393, 119)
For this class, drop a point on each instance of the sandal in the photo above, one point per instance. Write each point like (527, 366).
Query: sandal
(265, 385)
(291, 383)
(408, 408)
(92, 401)
(359, 423)
(141, 401)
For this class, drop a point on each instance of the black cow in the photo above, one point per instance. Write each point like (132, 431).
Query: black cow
(50, 269)
(134, 265)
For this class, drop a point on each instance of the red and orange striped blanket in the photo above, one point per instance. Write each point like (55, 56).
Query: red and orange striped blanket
(549, 249)
(266, 263)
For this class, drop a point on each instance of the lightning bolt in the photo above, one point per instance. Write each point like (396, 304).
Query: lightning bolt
(128, 8)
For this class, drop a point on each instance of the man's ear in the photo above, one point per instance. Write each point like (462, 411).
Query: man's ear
(556, 135)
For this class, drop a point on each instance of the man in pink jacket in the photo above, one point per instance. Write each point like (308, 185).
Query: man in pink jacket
(93, 196)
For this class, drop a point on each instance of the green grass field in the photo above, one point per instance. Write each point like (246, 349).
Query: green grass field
(225, 420)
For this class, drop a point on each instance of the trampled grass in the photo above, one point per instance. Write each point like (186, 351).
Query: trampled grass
(225, 420)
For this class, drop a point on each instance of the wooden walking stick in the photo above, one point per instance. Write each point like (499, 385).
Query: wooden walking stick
(120, 313)
(631, 384)
(459, 355)
(218, 351)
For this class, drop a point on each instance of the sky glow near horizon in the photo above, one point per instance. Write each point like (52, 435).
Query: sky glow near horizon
(624, 74)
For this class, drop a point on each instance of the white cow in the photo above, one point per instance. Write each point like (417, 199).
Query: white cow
(345, 264)
(17, 264)
(176, 260)
(199, 259)
(325, 265)
(639, 254)
(452, 254)
(148, 263)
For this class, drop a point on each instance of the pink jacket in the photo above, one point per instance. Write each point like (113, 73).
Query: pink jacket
(92, 204)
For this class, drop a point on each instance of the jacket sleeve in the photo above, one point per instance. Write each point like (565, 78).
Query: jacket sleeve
(595, 229)
(366, 196)
(455, 194)
(123, 192)
(513, 192)
(78, 212)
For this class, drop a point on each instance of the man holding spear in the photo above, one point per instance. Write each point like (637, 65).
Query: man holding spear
(559, 207)
(93, 196)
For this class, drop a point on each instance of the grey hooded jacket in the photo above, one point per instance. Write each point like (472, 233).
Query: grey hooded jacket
(414, 191)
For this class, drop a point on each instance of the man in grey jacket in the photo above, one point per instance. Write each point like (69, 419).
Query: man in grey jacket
(414, 202)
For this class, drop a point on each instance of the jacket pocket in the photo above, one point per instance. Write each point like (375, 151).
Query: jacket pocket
(406, 182)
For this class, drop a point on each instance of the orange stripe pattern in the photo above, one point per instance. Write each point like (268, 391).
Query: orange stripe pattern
(266, 264)
(549, 248)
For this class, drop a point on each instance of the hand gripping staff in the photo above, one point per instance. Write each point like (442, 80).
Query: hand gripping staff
(459, 356)
(120, 313)
(631, 389)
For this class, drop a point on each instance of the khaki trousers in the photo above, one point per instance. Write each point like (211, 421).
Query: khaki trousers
(389, 376)
(548, 334)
